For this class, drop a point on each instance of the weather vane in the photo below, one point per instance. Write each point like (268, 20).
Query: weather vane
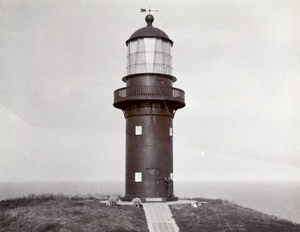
(144, 10)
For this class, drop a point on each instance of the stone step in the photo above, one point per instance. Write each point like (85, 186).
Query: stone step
(155, 199)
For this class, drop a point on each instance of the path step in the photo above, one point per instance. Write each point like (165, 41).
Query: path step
(155, 199)
(159, 218)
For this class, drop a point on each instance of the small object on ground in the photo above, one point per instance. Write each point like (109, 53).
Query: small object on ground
(113, 200)
(136, 202)
(199, 203)
(194, 204)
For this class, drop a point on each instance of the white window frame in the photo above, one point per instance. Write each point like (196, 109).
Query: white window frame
(170, 131)
(138, 130)
(138, 177)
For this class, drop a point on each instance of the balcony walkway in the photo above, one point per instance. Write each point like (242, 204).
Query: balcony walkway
(123, 95)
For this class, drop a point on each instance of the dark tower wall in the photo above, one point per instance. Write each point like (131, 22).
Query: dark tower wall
(150, 153)
(149, 103)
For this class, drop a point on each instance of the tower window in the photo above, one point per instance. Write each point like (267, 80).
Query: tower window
(138, 177)
(170, 131)
(138, 130)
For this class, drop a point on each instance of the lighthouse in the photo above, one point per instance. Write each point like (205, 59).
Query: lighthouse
(149, 102)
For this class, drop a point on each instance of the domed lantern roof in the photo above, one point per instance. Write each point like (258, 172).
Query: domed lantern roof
(149, 32)
(149, 50)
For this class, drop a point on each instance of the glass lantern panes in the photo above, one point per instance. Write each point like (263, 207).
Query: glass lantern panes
(150, 55)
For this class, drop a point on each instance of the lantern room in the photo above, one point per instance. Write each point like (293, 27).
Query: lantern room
(149, 50)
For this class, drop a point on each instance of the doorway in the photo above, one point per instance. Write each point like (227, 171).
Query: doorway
(152, 182)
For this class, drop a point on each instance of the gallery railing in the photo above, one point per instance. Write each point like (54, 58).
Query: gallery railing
(149, 92)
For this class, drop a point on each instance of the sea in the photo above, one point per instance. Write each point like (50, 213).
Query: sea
(281, 199)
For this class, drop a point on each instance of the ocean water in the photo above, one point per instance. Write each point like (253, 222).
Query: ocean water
(281, 199)
(72, 188)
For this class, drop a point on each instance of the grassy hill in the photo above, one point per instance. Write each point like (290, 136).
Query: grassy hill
(63, 213)
(219, 215)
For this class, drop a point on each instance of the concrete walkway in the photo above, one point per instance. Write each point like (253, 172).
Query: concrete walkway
(159, 217)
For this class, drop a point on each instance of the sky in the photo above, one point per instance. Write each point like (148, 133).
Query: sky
(237, 61)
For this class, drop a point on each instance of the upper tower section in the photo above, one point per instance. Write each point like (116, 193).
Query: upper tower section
(149, 80)
(149, 50)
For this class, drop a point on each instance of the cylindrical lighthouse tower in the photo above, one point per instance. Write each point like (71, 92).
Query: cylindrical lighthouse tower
(149, 103)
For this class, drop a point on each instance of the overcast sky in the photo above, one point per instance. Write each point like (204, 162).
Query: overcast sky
(237, 61)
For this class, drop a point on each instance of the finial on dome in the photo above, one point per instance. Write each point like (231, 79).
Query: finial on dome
(149, 19)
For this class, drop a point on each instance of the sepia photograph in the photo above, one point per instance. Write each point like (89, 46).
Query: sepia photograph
(150, 115)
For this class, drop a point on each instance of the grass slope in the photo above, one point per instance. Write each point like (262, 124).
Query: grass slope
(60, 213)
(218, 215)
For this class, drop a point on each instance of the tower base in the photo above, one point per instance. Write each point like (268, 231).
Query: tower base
(150, 199)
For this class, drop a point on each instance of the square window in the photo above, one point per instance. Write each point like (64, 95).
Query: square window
(138, 177)
(138, 130)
